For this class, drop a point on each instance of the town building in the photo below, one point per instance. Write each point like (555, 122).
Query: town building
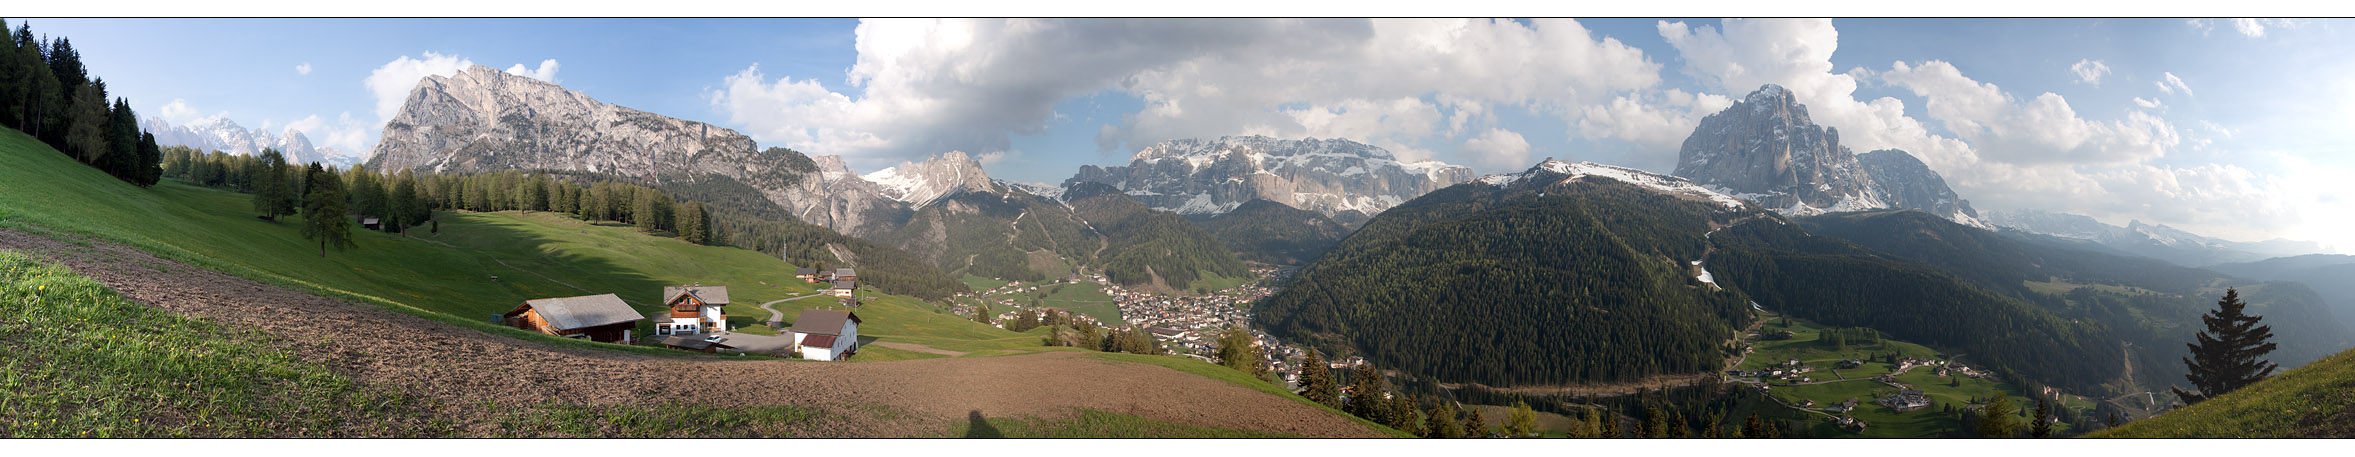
(692, 310)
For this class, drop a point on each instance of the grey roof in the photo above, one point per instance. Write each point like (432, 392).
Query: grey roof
(584, 311)
(845, 272)
(823, 321)
(716, 295)
(846, 284)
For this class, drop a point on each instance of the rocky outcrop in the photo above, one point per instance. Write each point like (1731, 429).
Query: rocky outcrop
(921, 183)
(1343, 179)
(1905, 182)
(1766, 149)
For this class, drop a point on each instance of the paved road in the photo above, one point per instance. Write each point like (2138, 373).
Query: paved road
(779, 316)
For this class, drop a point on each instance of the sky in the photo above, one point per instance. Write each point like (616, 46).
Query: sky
(2235, 128)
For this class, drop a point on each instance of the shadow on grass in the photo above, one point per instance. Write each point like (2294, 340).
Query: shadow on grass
(978, 427)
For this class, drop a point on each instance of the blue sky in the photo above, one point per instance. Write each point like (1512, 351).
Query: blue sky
(2064, 115)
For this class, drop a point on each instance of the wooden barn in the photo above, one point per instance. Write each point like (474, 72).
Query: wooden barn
(825, 334)
(693, 310)
(808, 275)
(602, 318)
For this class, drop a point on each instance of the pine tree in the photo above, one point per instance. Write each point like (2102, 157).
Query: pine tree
(1713, 428)
(323, 211)
(1365, 387)
(1318, 380)
(1677, 427)
(1442, 423)
(1753, 428)
(2043, 426)
(1474, 425)
(1655, 423)
(150, 168)
(1995, 421)
(1610, 423)
(85, 134)
(273, 195)
(1407, 417)
(1521, 422)
(694, 225)
(2227, 355)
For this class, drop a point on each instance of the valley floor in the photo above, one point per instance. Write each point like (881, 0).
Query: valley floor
(474, 378)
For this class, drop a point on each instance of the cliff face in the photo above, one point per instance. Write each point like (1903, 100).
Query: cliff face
(1767, 150)
(1346, 180)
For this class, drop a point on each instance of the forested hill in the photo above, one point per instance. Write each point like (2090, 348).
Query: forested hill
(1839, 283)
(2152, 303)
(1008, 234)
(1530, 279)
(1270, 232)
(1143, 246)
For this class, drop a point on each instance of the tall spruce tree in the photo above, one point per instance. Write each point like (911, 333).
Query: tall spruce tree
(1442, 423)
(1318, 381)
(324, 207)
(1474, 425)
(1995, 420)
(1365, 391)
(2042, 428)
(2228, 355)
(85, 133)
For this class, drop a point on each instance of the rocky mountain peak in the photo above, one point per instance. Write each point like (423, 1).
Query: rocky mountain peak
(1905, 182)
(1767, 150)
(921, 183)
(1343, 179)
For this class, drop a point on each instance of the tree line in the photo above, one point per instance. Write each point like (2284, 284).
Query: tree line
(46, 92)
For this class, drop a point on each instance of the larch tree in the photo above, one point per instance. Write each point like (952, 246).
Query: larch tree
(1522, 422)
(1318, 381)
(323, 211)
(2228, 355)
(1995, 421)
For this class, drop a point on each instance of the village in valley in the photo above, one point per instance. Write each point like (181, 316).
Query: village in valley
(1855, 382)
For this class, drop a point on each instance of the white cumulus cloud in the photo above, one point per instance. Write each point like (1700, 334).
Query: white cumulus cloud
(179, 112)
(303, 68)
(2147, 103)
(546, 71)
(1498, 148)
(2089, 71)
(344, 132)
(392, 82)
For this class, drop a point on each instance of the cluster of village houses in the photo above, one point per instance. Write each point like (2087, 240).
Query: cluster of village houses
(694, 318)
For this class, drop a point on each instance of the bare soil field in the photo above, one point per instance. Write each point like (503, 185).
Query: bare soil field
(470, 374)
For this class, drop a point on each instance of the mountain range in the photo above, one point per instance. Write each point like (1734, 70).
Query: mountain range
(1345, 180)
(2150, 240)
(222, 134)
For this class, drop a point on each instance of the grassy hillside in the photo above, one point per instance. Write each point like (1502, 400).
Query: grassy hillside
(478, 264)
(2314, 401)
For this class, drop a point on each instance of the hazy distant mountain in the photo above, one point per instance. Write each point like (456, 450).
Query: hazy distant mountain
(1346, 180)
(222, 134)
(2149, 240)
(1767, 150)
(1266, 231)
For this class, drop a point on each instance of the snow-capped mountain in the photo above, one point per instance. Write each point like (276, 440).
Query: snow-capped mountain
(222, 134)
(921, 183)
(2157, 241)
(1559, 172)
(1767, 150)
(1347, 180)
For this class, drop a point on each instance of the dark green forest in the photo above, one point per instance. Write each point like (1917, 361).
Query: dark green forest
(1143, 243)
(47, 92)
(1473, 283)
(1269, 232)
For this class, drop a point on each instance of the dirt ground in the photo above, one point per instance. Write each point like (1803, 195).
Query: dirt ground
(464, 369)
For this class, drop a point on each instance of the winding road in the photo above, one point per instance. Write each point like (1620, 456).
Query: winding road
(779, 316)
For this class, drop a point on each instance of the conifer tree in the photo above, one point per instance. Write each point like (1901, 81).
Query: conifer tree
(1714, 428)
(1442, 423)
(1753, 428)
(1408, 417)
(1655, 423)
(1610, 425)
(2227, 356)
(2043, 426)
(273, 195)
(323, 211)
(1995, 421)
(1474, 425)
(1318, 381)
(85, 132)
(150, 166)
(1365, 387)
(1677, 427)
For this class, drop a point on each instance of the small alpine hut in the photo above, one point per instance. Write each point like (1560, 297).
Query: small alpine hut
(846, 274)
(826, 334)
(808, 275)
(844, 288)
(601, 318)
(693, 309)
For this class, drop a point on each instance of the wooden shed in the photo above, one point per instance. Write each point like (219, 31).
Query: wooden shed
(602, 318)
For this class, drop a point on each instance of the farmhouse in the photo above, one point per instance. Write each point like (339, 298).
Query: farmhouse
(692, 310)
(602, 318)
(844, 287)
(825, 334)
(846, 273)
(808, 275)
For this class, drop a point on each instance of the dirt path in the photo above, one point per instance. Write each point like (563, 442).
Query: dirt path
(472, 373)
(919, 348)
